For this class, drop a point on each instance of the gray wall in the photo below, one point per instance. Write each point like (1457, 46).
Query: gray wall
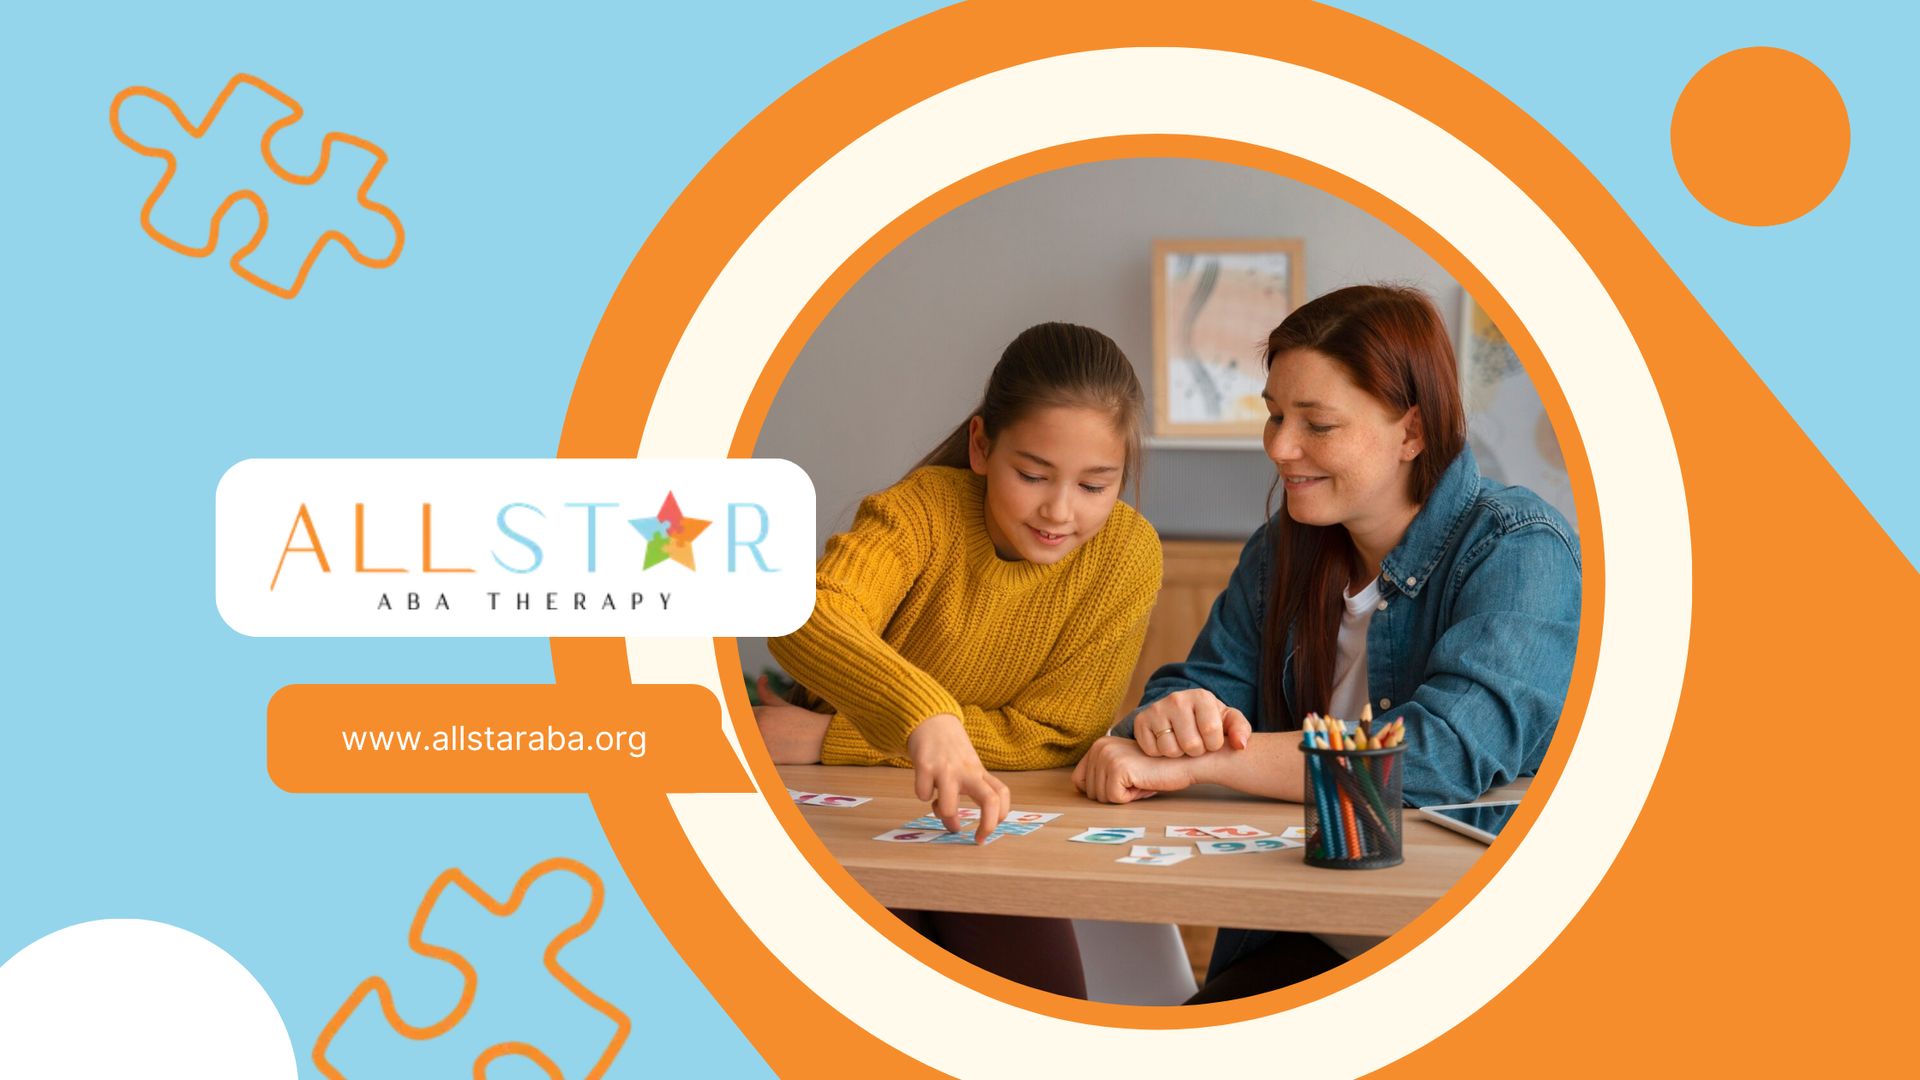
(904, 355)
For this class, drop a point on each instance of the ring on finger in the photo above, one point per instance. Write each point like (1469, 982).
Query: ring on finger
(1163, 731)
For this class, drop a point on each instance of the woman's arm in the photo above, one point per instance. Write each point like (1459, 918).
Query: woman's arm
(1195, 702)
(1117, 771)
(1490, 694)
(1495, 682)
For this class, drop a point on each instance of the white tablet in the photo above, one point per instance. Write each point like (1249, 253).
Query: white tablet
(1482, 821)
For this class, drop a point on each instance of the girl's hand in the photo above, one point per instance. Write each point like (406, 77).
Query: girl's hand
(945, 767)
(1115, 771)
(793, 735)
(1188, 723)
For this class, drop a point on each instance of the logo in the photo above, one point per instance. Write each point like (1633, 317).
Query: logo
(547, 548)
(669, 535)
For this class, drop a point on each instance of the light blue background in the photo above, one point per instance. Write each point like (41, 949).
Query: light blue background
(132, 780)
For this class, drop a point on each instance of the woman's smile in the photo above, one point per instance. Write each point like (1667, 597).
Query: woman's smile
(1319, 418)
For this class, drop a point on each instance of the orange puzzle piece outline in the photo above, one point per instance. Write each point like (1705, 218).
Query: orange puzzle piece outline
(259, 204)
(470, 979)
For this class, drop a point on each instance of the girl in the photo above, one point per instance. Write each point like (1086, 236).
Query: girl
(986, 613)
(1395, 575)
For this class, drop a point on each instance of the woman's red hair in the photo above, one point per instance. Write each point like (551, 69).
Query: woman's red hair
(1393, 344)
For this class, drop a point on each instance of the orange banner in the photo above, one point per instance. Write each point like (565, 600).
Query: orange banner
(513, 739)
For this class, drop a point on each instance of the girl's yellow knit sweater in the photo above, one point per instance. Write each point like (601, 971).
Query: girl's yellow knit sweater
(917, 616)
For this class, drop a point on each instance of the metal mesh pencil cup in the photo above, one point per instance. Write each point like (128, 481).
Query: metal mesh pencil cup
(1353, 807)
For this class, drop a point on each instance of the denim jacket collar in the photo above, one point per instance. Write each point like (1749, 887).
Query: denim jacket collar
(1433, 528)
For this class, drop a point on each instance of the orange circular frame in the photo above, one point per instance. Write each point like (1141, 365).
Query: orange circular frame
(797, 1032)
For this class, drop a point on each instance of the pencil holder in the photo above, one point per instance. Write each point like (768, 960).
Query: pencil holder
(1353, 807)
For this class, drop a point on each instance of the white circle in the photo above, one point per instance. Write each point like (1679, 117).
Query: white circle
(127, 997)
(1493, 224)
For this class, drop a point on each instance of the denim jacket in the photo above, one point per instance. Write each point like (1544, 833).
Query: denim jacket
(1472, 642)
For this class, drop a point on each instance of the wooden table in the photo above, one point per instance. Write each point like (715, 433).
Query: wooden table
(1043, 874)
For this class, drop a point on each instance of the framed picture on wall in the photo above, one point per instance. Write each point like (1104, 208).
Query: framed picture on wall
(1214, 303)
(1513, 441)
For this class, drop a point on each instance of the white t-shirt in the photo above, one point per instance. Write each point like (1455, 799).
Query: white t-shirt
(1350, 655)
(1349, 697)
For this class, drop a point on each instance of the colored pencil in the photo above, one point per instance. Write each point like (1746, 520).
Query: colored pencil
(1313, 789)
(1329, 820)
(1389, 839)
(1329, 812)
(1343, 777)
(1353, 831)
(1365, 775)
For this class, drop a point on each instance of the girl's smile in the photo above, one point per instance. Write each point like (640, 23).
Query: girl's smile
(1052, 480)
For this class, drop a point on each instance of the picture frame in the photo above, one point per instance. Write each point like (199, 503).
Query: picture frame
(1214, 303)
(1482, 354)
(1508, 428)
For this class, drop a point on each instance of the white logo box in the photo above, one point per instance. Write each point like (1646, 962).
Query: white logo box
(752, 574)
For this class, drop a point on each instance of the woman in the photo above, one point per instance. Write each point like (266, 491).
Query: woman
(1394, 575)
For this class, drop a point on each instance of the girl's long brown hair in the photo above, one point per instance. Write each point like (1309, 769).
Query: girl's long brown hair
(1049, 365)
(1393, 344)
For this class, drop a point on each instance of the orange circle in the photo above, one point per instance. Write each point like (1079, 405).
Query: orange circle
(1702, 381)
(1553, 400)
(627, 357)
(1760, 136)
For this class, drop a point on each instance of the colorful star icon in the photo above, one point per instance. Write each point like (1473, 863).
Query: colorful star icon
(669, 535)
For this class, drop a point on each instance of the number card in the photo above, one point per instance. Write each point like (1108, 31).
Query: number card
(1154, 860)
(931, 821)
(1243, 847)
(965, 836)
(1108, 836)
(835, 800)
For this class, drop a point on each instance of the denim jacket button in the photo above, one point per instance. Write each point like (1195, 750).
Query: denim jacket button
(1382, 606)
(1410, 579)
(1385, 704)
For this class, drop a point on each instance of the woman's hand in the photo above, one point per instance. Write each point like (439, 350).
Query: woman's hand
(946, 766)
(793, 735)
(1188, 723)
(1115, 771)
